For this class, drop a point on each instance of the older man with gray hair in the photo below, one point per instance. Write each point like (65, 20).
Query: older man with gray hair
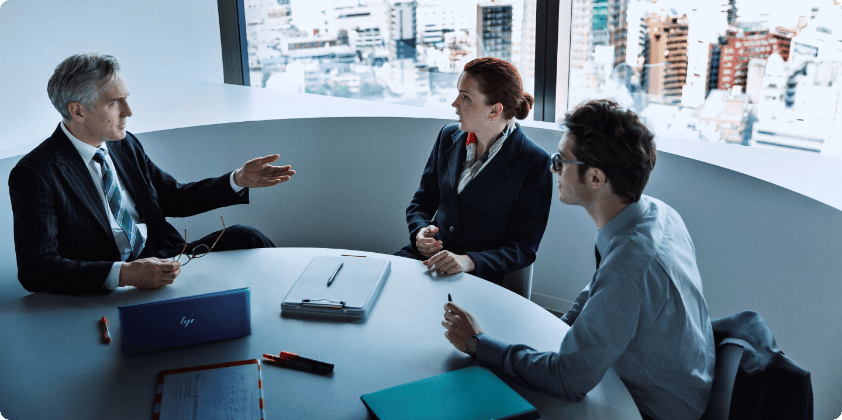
(90, 206)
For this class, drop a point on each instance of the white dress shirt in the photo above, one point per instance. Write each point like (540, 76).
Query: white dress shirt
(87, 152)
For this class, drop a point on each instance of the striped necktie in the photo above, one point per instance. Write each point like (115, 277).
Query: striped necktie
(115, 203)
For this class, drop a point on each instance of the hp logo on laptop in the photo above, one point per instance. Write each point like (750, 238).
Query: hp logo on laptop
(185, 321)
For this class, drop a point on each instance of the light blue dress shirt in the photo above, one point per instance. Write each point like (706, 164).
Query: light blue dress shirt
(642, 314)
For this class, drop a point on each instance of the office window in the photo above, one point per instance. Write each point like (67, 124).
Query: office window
(753, 73)
(396, 51)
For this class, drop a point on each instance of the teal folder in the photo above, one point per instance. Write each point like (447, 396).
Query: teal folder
(472, 393)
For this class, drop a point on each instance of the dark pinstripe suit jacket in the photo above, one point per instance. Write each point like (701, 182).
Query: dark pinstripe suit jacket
(63, 240)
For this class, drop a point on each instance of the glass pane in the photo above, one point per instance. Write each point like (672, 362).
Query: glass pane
(405, 52)
(757, 73)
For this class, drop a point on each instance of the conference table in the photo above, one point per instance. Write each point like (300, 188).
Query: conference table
(54, 365)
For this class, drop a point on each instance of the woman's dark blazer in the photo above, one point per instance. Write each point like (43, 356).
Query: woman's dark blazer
(500, 216)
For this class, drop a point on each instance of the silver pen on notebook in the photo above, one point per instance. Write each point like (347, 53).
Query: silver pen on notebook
(333, 276)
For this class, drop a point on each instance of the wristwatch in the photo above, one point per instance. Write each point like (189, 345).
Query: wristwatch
(471, 345)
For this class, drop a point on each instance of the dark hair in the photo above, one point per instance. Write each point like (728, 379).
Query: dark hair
(81, 78)
(500, 82)
(613, 139)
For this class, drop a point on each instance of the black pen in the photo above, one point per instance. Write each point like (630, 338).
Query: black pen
(281, 361)
(330, 280)
(449, 299)
(317, 365)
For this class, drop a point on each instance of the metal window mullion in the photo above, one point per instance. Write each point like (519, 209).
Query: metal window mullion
(552, 57)
(232, 33)
(546, 59)
(565, 25)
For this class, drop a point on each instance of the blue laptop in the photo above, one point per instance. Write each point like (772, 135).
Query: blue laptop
(187, 320)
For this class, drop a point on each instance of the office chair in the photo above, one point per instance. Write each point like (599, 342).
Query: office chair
(727, 361)
(519, 281)
(768, 385)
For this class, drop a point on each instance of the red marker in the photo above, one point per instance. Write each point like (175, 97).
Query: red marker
(105, 334)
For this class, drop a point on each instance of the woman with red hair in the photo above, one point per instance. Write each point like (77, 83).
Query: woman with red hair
(485, 194)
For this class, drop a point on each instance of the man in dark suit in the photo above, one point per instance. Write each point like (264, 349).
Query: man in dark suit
(90, 206)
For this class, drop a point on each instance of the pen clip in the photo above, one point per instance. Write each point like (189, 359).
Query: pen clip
(323, 303)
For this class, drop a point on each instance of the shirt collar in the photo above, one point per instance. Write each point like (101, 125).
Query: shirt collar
(85, 150)
(629, 214)
(510, 127)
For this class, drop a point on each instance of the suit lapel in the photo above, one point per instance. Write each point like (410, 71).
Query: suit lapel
(78, 177)
(455, 157)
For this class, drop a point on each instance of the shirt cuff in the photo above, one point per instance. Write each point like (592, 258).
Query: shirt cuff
(237, 189)
(113, 279)
(490, 351)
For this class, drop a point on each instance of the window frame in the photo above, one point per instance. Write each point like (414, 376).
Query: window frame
(232, 34)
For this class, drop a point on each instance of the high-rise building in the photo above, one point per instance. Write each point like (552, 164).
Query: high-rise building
(494, 30)
(527, 64)
(599, 24)
(637, 37)
(369, 22)
(402, 29)
(667, 54)
(745, 42)
(618, 29)
(821, 38)
(439, 17)
(714, 62)
(580, 34)
(754, 78)
(732, 12)
(782, 37)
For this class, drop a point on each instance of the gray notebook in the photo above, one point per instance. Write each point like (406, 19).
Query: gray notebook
(353, 289)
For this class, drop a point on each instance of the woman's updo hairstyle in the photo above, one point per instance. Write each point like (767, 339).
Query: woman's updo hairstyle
(500, 82)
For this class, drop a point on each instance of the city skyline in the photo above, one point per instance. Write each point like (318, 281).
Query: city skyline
(410, 52)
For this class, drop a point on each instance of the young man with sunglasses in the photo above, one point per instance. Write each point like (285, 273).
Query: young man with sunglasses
(90, 206)
(643, 313)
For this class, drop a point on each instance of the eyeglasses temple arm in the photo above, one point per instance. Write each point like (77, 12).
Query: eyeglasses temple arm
(184, 248)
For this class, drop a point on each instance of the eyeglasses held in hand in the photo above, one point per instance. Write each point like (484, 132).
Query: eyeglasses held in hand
(200, 250)
(558, 160)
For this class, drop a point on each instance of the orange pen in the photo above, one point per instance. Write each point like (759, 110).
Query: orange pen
(106, 336)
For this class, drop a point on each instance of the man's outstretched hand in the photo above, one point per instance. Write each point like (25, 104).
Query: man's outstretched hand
(257, 173)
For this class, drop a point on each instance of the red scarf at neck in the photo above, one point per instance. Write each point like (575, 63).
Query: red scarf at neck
(472, 138)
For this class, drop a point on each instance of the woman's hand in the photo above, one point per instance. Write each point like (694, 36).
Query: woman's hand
(426, 243)
(450, 263)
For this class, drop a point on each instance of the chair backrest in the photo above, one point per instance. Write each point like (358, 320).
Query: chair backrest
(727, 361)
(519, 281)
(768, 384)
